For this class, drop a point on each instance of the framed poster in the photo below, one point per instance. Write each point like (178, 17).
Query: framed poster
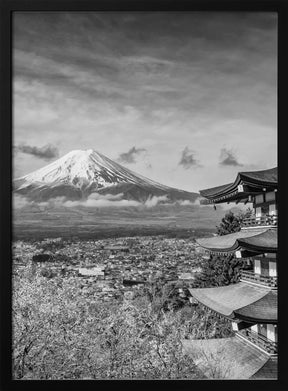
(120, 115)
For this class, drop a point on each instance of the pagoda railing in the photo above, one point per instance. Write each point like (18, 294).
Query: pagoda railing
(247, 275)
(269, 346)
(254, 221)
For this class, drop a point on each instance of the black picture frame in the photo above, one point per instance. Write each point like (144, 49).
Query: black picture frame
(10, 6)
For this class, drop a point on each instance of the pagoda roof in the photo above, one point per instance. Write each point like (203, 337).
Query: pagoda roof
(253, 239)
(268, 371)
(264, 308)
(240, 301)
(239, 358)
(253, 183)
(266, 241)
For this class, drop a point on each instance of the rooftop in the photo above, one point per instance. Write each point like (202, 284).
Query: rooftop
(268, 371)
(258, 240)
(253, 182)
(241, 301)
(264, 309)
(239, 359)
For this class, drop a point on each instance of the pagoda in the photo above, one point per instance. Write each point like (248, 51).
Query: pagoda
(250, 304)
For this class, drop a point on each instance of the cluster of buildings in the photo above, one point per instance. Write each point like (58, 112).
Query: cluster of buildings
(112, 268)
(250, 304)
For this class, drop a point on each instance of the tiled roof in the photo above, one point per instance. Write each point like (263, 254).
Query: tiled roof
(216, 190)
(254, 179)
(264, 309)
(249, 238)
(239, 300)
(269, 176)
(263, 242)
(268, 371)
(226, 358)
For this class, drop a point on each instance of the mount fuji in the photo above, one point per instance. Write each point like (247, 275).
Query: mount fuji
(80, 173)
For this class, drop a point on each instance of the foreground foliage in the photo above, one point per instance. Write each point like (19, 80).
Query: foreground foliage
(61, 332)
(219, 270)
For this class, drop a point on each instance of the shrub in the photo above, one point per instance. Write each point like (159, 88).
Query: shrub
(48, 273)
(60, 332)
(232, 223)
(219, 270)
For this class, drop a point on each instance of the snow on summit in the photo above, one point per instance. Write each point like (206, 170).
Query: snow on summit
(82, 168)
(82, 172)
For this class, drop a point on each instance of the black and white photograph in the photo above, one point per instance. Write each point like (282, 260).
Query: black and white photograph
(144, 203)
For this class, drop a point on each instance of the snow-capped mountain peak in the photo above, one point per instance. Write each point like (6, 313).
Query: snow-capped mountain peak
(82, 172)
(83, 168)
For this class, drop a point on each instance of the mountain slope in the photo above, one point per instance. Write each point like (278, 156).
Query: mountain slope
(81, 173)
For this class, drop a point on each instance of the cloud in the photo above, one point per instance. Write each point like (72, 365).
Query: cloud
(192, 203)
(19, 201)
(187, 159)
(109, 200)
(101, 203)
(111, 197)
(130, 156)
(228, 158)
(46, 152)
(186, 84)
(187, 203)
(51, 203)
(153, 201)
(95, 200)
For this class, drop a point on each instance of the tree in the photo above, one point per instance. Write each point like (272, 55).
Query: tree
(61, 331)
(232, 223)
(163, 296)
(219, 270)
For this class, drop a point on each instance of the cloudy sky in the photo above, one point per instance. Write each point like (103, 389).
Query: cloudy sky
(186, 99)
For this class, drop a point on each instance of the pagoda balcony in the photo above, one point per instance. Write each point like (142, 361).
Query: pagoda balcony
(266, 220)
(250, 276)
(262, 342)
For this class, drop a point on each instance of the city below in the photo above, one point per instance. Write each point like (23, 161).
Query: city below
(112, 268)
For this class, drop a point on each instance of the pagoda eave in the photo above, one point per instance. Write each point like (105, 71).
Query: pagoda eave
(239, 358)
(246, 184)
(239, 301)
(255, 240)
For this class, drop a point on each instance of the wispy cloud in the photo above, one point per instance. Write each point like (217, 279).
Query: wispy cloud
(130, 156)
(20, 202)
(153, 201)
(46, 152)
(228, 158)
(188, 159)
(157, 80)
(95, 200)
(102, 201)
